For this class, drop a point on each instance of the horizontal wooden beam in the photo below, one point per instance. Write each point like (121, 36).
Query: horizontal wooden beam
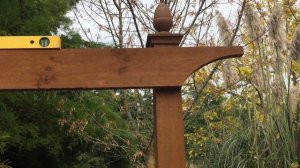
(105, 68)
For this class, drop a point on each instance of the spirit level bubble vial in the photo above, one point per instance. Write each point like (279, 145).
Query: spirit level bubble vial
(30, 42)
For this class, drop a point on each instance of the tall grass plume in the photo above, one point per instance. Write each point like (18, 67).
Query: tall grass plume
(229, 72)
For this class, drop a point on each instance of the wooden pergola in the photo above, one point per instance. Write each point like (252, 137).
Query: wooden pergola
(162, 66)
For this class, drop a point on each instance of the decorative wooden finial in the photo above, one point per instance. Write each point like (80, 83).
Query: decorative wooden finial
(163, 21)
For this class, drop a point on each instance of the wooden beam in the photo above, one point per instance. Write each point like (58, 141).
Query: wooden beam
(105, 68)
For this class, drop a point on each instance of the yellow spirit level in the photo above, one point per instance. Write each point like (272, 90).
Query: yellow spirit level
(30, 42)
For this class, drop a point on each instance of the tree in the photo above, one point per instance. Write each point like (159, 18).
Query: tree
(58, 128)
(33, 17)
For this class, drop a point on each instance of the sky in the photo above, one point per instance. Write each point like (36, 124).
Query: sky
(229, 11)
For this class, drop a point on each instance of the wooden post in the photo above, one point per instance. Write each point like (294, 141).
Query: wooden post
(168, 116)
(168, 119)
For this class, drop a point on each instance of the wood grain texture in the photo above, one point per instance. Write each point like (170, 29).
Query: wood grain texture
(169, 134)
(105, 68)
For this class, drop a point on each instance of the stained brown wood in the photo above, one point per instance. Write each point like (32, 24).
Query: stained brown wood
(105, 68)
(167, 110)
(169, 134)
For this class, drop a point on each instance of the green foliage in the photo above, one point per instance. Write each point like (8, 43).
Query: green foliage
(33, 17)
(93, 116)
(73, 40)
(29, 118)
(210, 127)
(233, 152)
(65, 131)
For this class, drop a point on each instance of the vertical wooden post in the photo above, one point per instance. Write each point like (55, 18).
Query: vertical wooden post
(168, 116)
(169, 140)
